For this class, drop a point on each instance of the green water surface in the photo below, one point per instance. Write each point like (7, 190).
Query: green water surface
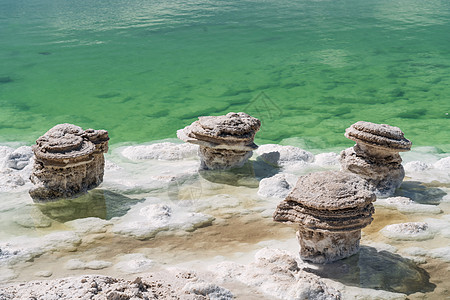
(308, 69)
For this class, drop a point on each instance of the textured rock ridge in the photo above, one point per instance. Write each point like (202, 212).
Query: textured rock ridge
(225, 141)
(375, 157)
(68, 161)
(331, 208)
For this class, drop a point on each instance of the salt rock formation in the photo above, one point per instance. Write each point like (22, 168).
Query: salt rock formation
(225, 141)
(331, 208)
(68, 161)
(375, 157)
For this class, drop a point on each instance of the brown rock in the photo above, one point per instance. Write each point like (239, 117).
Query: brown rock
(331, 208)
(225, 141)
(68, 161)
(375, 157)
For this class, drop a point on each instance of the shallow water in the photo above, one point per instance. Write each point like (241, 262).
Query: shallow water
(307, 69)
(144, 69)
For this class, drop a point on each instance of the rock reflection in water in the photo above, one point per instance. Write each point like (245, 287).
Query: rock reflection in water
(96, 203)
(377, 270)
(420, 192)
(248, 175)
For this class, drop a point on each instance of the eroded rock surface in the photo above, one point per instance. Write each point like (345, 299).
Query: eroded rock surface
(225, 141)
(375, 157)
(331, 208)
(68, 161)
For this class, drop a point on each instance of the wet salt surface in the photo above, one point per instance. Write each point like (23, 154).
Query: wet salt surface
(155, 211)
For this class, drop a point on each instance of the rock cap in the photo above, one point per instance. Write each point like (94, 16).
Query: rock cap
(381, 136)
(66, 143)
(331, 190)
(234, 131)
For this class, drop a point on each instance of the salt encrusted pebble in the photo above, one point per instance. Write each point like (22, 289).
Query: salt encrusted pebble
(281, 156)
(277, 186)
(134, 263)
(68, 161)
(331, 208)
(19, 158)
(408, 231)
(76, 264)
(375, 156)
(225, 141)
(44, 273)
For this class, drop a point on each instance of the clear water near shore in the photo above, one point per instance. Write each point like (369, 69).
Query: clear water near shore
(307, 69)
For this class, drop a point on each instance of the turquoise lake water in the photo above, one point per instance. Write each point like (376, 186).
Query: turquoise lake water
(308, 69)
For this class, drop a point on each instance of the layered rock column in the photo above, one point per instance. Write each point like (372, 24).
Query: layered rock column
(225, 141)
(68, 161)
(331, 208)
(375, 157)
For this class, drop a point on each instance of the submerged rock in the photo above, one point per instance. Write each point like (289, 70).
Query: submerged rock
(375, 157)
(331, 208)
(68, 161)
(225, 141)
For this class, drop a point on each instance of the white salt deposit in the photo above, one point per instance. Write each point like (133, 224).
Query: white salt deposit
(327, 160)
(43, 273)
(282, 156)
(277, 186)
(443, 164)
(161, 151)
(207, 289)
(89, 225)
(406, 205)
(276, 274)
(134, 263)
(408, 231)
(146, 219)
(77, 264)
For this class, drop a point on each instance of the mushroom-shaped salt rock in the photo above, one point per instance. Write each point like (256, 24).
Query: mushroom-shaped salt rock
(331, 208)
(68, 161)
(225, 141)
(375, 157)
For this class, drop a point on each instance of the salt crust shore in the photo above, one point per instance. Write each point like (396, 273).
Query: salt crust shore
(162, 192)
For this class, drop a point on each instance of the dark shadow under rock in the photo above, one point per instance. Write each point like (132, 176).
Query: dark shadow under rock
(380, 270)
(420, 193)
(96, 203)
